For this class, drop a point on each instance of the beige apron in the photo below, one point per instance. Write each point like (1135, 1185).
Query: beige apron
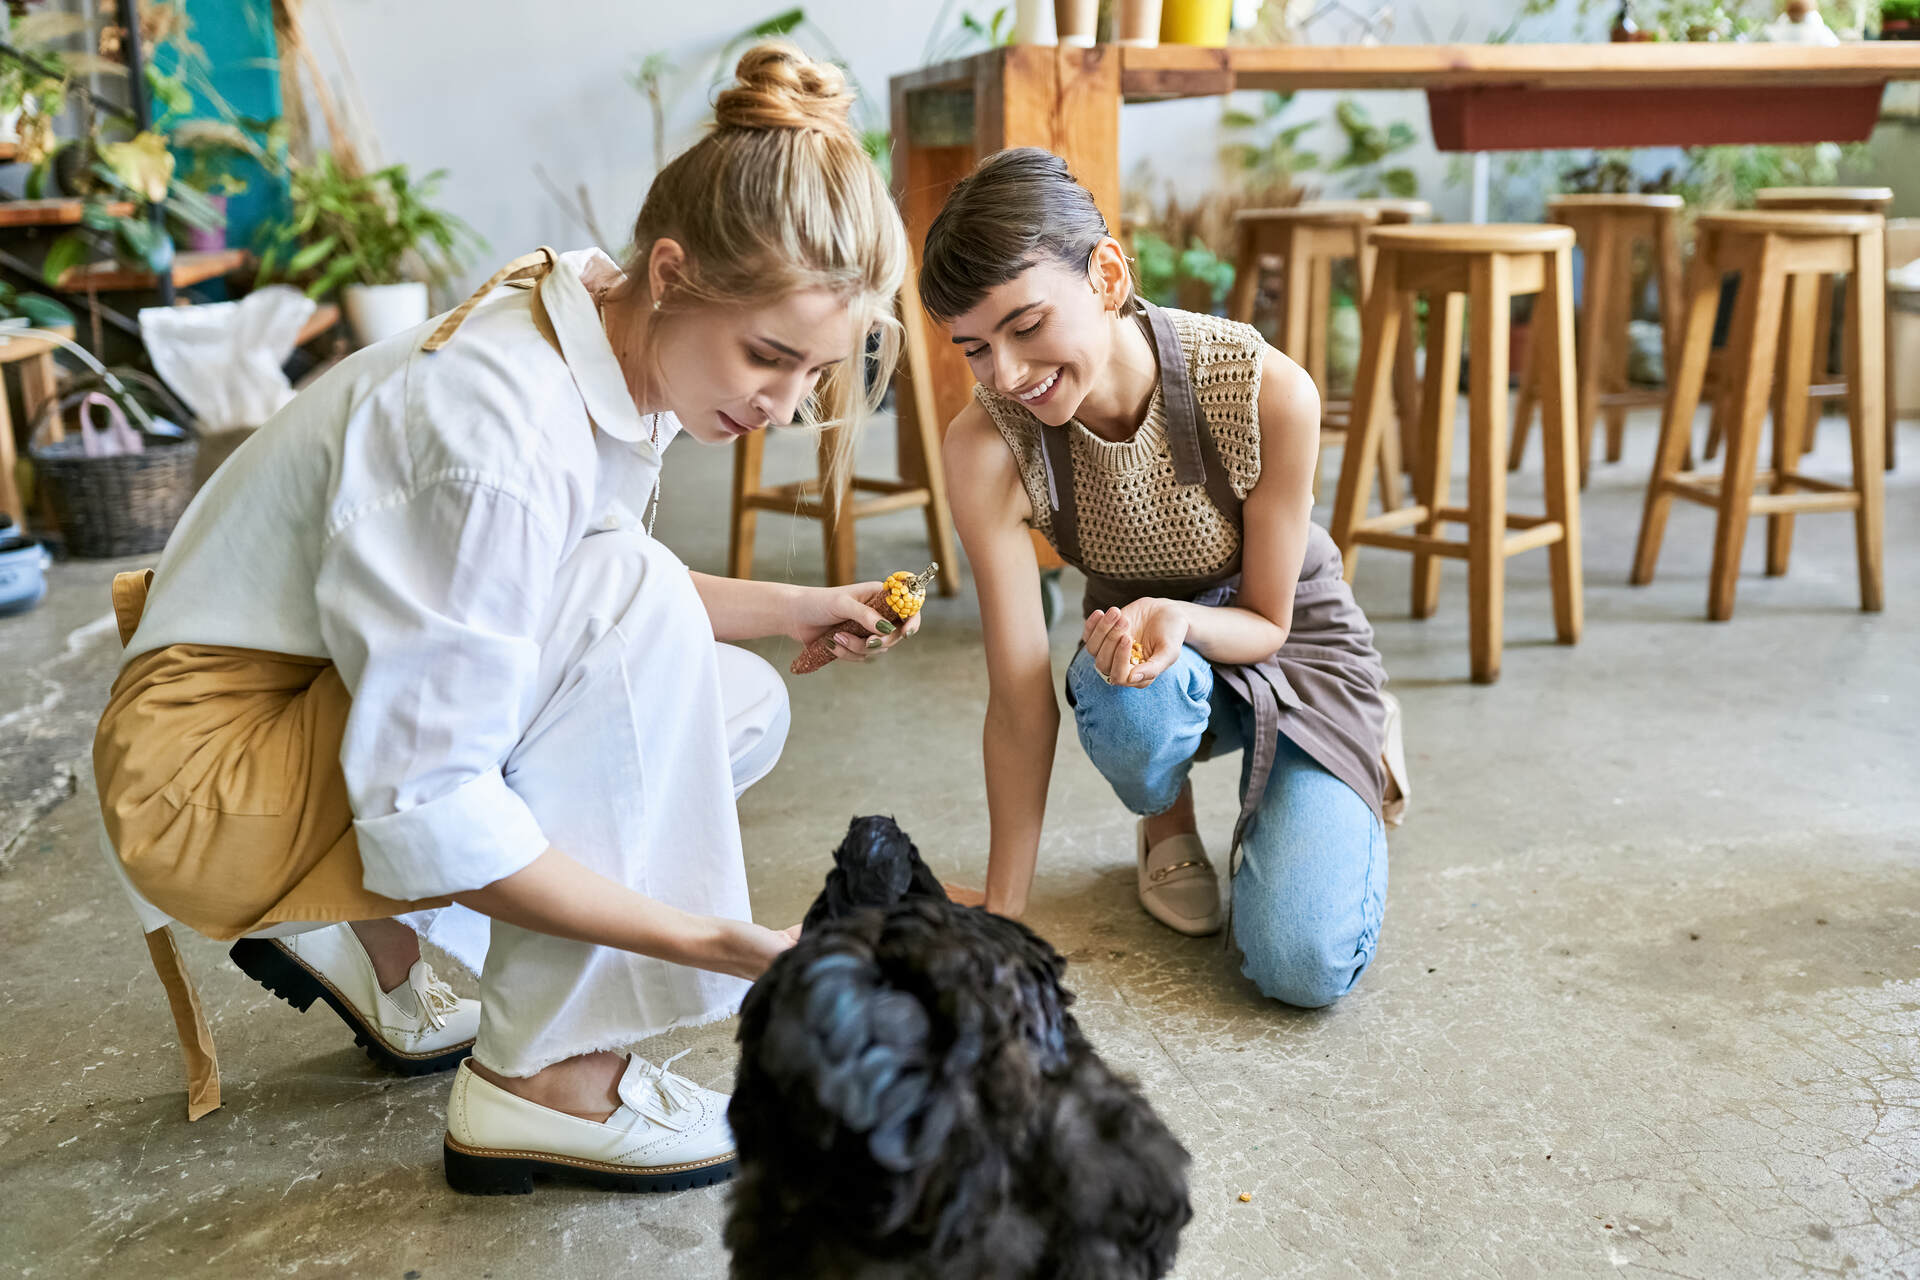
(220, 780)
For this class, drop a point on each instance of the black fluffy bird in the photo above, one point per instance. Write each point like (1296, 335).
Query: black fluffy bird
(915, 1102)
(875, 866)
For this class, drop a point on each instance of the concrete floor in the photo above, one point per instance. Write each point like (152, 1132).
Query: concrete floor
(1647, 999)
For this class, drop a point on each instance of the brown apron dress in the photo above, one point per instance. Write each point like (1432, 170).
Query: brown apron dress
(1322, 688)
(221, 786)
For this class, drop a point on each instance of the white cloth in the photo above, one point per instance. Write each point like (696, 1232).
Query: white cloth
(406, 516)
(224, 358)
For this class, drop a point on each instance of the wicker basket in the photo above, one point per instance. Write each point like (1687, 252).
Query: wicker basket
(121, 505)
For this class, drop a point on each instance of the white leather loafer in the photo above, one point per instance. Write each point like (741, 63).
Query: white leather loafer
(418, 1028)
(669, 1134)
(1178, 886)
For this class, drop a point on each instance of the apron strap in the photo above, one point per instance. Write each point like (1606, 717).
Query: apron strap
(183, 999)
(130, 601)
(189, 1023)
(1056, 455)
(528, 267)
(1196, 455)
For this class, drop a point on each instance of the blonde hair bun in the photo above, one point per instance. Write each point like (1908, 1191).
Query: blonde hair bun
(776, 86)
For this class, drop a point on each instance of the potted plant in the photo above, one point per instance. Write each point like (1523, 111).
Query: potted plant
(369, 236)
(1900, 19)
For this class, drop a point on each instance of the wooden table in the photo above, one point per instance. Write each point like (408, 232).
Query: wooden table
(1480, 98)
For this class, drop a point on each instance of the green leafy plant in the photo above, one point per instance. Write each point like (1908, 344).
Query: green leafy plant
(36, 309)
(1369, 149)
(369, 230)
(1900, 10)
(1194, 277)
(1268, 149)
(106, 173)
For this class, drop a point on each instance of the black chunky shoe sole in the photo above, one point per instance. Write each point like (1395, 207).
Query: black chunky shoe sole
(512, 1173)
(281, 972)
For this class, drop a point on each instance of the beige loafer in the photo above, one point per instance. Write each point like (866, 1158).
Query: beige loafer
(1177, 883)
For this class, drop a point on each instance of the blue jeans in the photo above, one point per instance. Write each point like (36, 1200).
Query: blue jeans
(1312, 882)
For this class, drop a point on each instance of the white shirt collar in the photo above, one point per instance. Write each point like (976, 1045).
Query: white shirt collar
(589, 355)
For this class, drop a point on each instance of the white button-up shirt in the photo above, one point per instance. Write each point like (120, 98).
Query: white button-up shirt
(404, 517)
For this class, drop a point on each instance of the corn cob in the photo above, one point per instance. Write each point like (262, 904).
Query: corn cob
(900, 598)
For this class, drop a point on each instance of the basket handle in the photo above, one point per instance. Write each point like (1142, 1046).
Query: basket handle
(116, 437)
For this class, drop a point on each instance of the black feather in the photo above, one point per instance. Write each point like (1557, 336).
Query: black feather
(875, 866)
(915, 1100)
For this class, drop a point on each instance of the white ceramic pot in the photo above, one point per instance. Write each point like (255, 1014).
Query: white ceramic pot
(376, 311)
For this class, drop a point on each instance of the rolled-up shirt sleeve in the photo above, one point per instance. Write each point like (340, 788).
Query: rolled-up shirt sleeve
(431, 606)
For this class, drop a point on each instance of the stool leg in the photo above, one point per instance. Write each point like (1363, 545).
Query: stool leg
(1295, 309)
(1372, 391)
(1889, 403)
(1671, 292)
(1619, 348)
(9, 478)
(1525, 402)
(38, 378)
(1246, 273)
(1392, 493)
(836, 524)
(1553, 330)
(1790, 410)
(1684, 383)
(1392, 464)
(1602, 250)
(747, 454)
(1486, 463)
(1866, 345)
(1406, 386)
(1822, 356)
(1751, 351)
(1433, 465)
(1319, 312)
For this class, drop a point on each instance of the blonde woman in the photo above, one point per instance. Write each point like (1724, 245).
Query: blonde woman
(415, 646)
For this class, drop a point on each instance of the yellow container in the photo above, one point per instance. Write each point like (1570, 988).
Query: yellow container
(1202, 22)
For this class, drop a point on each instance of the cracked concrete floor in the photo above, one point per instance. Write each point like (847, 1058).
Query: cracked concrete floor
(1647, 998)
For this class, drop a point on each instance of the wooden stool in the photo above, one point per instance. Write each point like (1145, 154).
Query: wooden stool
(1306, 240)
(1490, 264)
(1828, 385)
(1606, 228)
(34, 358)
(1782, 259)
(922, 482)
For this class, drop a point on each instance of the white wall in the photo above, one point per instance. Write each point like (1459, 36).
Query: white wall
(488, 88)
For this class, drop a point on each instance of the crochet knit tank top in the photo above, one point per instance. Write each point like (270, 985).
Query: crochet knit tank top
(1136, 520)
